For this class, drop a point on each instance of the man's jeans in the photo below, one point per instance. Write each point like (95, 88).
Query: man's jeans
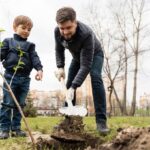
(97, 85)
(10, 117)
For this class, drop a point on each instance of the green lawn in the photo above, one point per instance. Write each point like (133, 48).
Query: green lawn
(46, 124)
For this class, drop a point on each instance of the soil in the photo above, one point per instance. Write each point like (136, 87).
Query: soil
(70, 135)
(130, 139)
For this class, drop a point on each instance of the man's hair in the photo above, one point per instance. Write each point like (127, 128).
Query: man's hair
(24, 20)
(65, 14)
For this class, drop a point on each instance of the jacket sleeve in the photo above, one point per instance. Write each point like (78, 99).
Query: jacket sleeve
(4, 49)
(59, 52)
(86, 59)
(35, 58)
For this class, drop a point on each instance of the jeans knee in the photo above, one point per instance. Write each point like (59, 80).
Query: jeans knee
(96, 78)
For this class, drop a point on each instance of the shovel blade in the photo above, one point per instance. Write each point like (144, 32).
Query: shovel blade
(73, 111)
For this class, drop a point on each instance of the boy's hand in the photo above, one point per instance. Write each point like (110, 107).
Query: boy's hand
(39, 75)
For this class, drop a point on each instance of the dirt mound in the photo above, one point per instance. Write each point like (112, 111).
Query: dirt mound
(69, 135)
(130, 139)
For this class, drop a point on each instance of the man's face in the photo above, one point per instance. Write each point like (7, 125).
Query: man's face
(67, 29)
(23, 30)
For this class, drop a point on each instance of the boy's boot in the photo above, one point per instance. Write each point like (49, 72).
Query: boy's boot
(18, 133)
(4, 134)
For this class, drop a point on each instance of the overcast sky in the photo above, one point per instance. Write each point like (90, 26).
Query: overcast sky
(42, 12)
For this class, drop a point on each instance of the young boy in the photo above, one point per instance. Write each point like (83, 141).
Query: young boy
(19, 58)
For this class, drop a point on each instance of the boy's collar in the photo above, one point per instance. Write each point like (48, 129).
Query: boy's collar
(19, 38)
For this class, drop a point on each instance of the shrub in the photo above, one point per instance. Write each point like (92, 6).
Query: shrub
(30, 110)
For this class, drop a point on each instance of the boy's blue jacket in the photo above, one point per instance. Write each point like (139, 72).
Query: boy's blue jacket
(18, 49)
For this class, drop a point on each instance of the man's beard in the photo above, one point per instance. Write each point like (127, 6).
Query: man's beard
(67, 37)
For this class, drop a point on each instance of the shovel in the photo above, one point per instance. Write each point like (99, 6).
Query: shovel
(71, 110)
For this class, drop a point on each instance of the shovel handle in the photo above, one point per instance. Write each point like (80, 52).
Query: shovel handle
(63, 84)
(64, 88)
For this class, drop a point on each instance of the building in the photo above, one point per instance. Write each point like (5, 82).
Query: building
(144, 101)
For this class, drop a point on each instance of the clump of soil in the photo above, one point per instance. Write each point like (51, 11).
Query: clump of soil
(48, 144)
(70, 135)
(130, 139)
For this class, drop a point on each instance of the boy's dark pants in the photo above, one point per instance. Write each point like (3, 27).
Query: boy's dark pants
(98, 90)
(10, 117)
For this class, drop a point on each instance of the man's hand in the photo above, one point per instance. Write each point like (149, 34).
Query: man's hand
(60, 73)
(39, 75)
(70, 94)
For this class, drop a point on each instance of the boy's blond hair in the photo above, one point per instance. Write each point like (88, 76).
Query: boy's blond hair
(22, 20)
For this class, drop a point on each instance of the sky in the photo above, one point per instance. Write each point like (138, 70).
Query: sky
(43, 12)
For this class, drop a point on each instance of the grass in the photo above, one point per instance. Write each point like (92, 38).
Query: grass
(46, 124)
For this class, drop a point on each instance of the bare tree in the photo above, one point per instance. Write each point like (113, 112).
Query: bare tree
(126, 29)
(121, 19)
(112, 67)
(112, 70)
(136, 10)
(133, 40)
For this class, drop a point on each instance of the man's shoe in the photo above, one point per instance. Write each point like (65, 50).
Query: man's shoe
(102, 128)
(18, 133)
(4, 134)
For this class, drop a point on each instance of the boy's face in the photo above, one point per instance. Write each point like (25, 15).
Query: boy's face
(67, 29)
(22, 30)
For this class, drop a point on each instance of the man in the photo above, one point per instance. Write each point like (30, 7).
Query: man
(87, 58)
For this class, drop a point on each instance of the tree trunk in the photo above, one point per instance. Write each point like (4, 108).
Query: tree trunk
(118, 101)
(109, 99)
(136, 36)
(133, 105)
(110, 102)
(125, 83)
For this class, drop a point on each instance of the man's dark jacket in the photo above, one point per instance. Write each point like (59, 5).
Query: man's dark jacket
(83, 46)
(10, 56)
